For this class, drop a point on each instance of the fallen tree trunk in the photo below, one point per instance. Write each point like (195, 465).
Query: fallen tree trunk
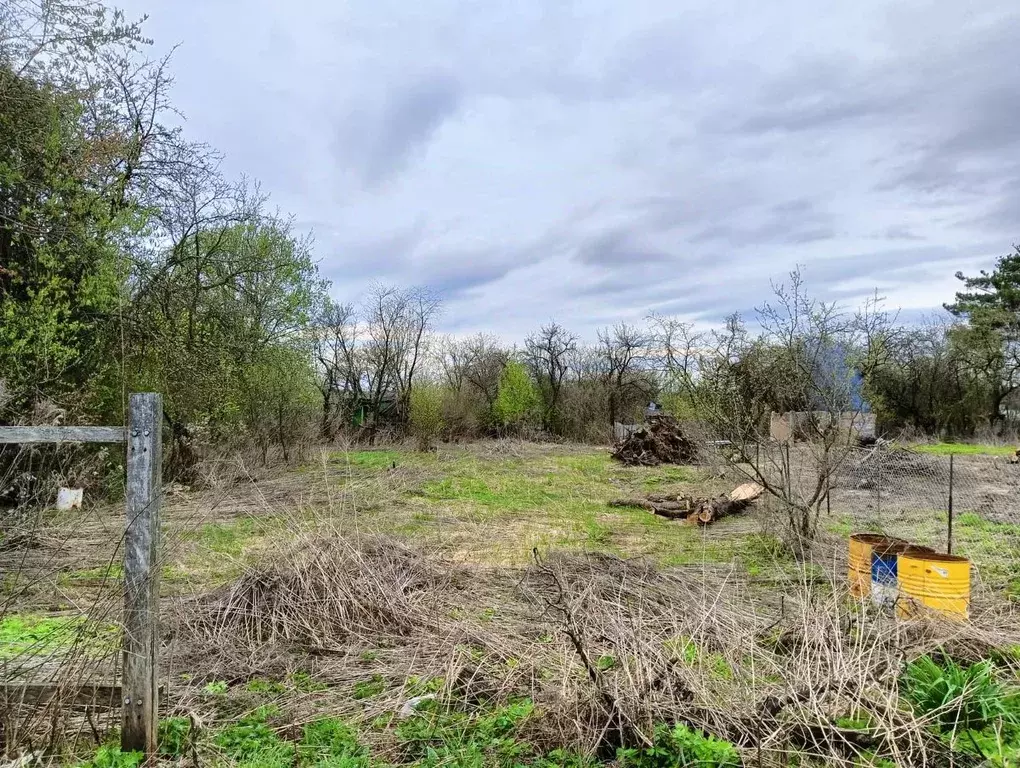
(700, 511)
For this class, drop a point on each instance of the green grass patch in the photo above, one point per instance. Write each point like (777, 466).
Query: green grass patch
(963, 449)
(501, 492)
(370, 459)
(265, 687)
(109, 572)
(369, 689)
(228, 538)
(28, 636)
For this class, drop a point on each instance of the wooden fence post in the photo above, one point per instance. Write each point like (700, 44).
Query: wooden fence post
(141, 573)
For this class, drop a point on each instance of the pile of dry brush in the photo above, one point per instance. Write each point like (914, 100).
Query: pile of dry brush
(608, 648)
(660, 441)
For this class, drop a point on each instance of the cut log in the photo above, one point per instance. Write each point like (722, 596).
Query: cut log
(746, 492)
(697, 511)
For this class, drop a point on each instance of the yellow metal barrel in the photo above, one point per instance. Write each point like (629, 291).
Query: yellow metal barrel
(930, 581)
(861, 547)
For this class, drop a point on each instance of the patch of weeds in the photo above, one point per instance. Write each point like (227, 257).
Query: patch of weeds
(110, 756)
(331, 743)
(369, 655)
(681, 746)
(599, 534)
(760, 552)
(437, 736)
(269, 687)
(473, 651)
(304, 683)
(857, 721)
(488, 614)
(975, 522)
(564, 758)
(367, 689)
(605, 663)
(968, 702)
(174, 736)
(685, 649)
(701, 552)
(26, 635)
(251, 743)
(216, 688)
(418, 686)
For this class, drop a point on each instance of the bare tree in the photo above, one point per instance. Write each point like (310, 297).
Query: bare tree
(451, 356)
(335, 340)
(484, 360)
(548, 354)
(621, 352)
(421, 308)
(808, 358)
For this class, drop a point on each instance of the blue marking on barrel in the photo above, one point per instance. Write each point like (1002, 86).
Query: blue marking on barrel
(884, 584)
(883, 568)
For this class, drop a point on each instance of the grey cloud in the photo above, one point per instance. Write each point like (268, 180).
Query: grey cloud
(794, 117)
(461, 273)
(616, 248)
(604, 159)
(794, 222)
(380, 145)
(900, 232)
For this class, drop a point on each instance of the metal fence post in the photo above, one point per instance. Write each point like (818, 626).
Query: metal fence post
(878, 488)
(141, 573)
(949, 532)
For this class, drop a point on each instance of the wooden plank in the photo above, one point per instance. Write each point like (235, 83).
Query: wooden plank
(141, 573)
(62, 434)
(98, 695)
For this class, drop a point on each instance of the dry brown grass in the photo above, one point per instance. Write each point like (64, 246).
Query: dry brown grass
(606, 647)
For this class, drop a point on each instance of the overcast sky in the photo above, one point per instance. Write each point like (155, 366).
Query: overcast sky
(595, 161)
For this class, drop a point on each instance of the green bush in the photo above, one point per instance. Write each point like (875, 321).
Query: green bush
(174, 736)
(967, 702)
(251, 743)
(110, 756)
(330, 743)
(679, 747)
(426, 414)
(517, 399)
(436, 736)
(959, 697)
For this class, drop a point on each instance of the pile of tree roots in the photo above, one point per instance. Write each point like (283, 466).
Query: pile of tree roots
(660, 441)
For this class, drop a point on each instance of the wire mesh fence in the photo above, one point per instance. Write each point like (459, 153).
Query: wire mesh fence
(963, 504)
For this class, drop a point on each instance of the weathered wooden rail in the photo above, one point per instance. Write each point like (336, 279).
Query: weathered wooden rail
(138, 694)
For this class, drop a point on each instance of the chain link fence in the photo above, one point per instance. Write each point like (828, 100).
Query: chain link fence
(965, 504)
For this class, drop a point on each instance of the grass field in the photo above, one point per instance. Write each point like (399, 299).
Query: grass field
(964, 449)
(493, 587)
